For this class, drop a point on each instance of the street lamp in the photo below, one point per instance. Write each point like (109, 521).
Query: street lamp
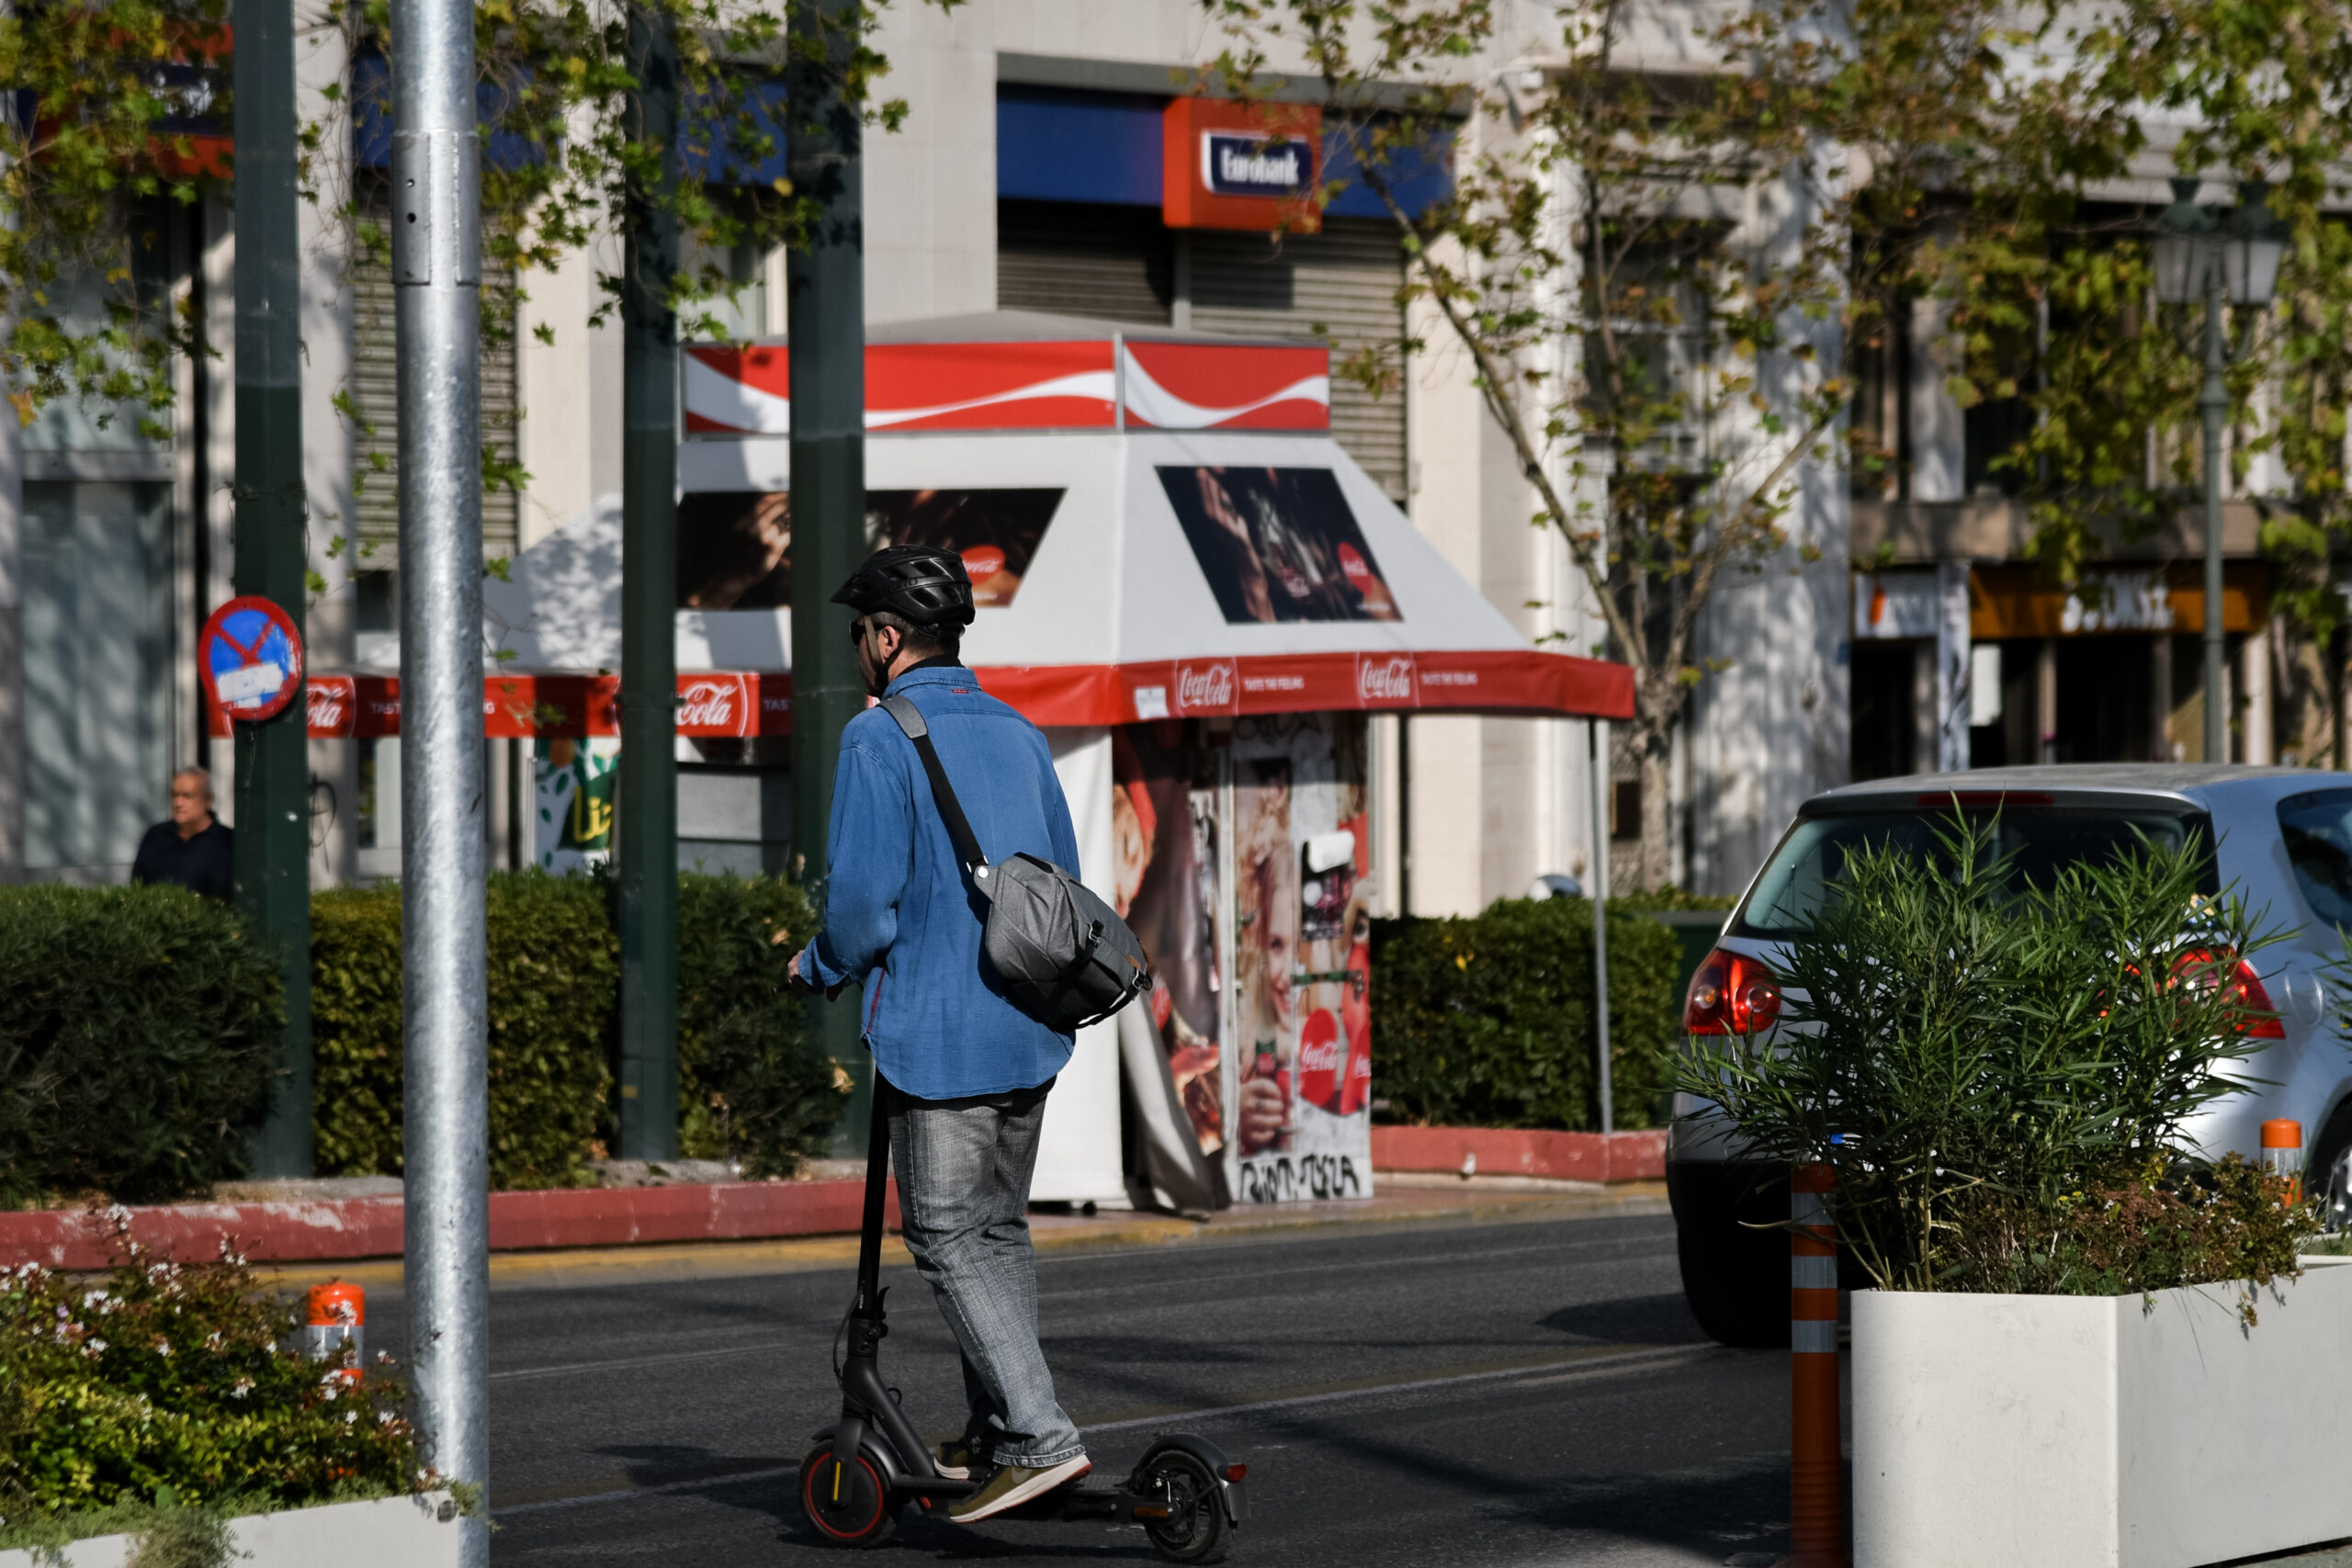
(2198, 255)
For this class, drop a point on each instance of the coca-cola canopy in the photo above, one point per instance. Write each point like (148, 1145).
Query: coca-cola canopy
(1157, 526)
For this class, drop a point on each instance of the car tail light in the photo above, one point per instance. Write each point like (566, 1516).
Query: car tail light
(1731, 994)
(2244, 990)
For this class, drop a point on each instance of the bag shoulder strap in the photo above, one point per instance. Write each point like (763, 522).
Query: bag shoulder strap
(943, 794)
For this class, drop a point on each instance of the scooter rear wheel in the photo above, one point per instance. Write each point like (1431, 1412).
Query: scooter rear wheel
(1194, 1530)
(847, 1505)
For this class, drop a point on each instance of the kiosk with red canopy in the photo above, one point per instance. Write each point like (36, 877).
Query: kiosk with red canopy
(1187, 583)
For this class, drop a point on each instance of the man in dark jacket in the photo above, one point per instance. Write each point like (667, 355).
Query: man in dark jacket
(192, 850)
(966, 1073)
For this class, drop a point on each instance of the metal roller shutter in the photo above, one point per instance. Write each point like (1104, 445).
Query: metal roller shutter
(375, 399)
(1343, 280)
(1108, 264)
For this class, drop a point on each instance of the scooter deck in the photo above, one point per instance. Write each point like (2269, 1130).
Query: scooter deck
(1080, 1502)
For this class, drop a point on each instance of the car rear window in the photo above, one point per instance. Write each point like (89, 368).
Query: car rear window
(1811, 861)
(2317, 828)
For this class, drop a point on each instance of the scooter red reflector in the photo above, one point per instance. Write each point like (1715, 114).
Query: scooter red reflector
(1236, 1473)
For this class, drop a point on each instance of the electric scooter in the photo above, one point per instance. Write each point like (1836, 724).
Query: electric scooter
(871, 1465)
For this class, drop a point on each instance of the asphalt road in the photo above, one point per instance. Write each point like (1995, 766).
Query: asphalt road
(1520, 1393)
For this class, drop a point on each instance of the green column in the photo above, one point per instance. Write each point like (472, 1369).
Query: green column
(647, 789)
(273, 850)
(825, 297)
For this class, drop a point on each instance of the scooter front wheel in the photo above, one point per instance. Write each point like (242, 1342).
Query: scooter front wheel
(1194, 1530)
(846, 1505)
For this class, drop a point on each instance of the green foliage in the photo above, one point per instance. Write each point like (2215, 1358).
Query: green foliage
(138, 1031)
(180, 1386)
(2151, 1229)
(86, 186)
(1670, 899)
(1975, 1058)
(750, 1093)
(356, 1030)
(1486, 1021)
(554, 970)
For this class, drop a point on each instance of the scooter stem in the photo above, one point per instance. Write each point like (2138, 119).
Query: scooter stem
(866, 1399)
(877, 1181)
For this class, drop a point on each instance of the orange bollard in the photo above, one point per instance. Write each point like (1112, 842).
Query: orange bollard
(2282, 1153)
(1816, 1462)
(337, 1318)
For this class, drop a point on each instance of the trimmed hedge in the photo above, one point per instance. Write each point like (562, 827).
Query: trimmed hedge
(554, 969)
(138, 1028)
(138, 1034)
(1486, 1021)
(748, 1092)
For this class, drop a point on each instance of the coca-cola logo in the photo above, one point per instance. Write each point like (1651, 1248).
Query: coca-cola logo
(983, 560)
(1352, 566)
(1385, 679)
(1318, 1051)
(329, 705)
(1205, 686)
(707, 704)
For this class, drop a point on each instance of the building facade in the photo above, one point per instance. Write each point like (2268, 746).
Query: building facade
(1027, 176)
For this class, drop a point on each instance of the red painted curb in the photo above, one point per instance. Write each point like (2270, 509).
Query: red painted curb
(1520, 1151)
(371, 1227)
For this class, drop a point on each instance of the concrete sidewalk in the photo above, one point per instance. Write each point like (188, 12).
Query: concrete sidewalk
(1402, 1201)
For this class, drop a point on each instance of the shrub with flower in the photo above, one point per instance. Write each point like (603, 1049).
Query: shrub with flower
(181, 1384)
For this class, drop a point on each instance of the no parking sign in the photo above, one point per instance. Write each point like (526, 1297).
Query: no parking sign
(249, 658)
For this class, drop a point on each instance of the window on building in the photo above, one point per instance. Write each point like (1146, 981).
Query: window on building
(98, 572)
(1649, 373)
(374, 401)
(737, 317)
(1885, 719)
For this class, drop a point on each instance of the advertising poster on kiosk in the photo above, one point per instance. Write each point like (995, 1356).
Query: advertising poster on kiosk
(1302, 958)
(1165, 837)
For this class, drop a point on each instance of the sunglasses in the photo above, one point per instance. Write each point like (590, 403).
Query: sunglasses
(857, 630)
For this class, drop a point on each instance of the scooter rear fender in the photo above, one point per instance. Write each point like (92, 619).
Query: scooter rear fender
(1235, 1495)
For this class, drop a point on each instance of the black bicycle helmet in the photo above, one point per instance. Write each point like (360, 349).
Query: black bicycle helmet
(915, 582)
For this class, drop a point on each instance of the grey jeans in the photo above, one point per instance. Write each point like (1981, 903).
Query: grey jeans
(963, 1169)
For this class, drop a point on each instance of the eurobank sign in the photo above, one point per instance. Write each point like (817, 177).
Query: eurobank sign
(1227, 164)
(1243, 163)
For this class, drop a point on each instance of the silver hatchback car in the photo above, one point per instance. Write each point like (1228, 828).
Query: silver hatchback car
(2283, 841)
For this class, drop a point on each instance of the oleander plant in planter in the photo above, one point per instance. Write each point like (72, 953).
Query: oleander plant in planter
(165, 1397)
(2087, 1342)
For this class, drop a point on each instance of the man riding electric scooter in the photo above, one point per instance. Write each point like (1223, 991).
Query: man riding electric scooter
(967, 1072)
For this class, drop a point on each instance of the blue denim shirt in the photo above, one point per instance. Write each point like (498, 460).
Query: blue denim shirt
(900, 914)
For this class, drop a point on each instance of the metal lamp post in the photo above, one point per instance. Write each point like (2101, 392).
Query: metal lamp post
(437, 278)
(2198, 256)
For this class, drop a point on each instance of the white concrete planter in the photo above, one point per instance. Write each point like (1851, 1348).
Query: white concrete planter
(2101, 1432)
(389, 1532)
